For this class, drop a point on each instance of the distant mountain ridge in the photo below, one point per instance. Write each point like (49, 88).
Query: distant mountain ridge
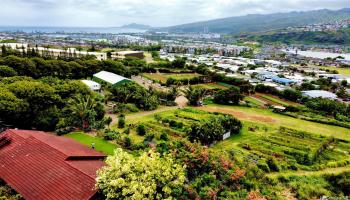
(258, 22)
(136, 26)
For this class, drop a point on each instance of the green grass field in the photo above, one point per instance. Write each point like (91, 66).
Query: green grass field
(271, 119)
(212, 86)
(181, 76)
(163, 77)
(100, 144)
(342, 71)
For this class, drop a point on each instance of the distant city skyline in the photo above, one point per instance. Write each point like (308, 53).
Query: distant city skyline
(157, 13)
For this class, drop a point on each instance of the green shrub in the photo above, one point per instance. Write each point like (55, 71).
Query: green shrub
(162, 147)
(111, 135)
(164, 136)
(121, 121)
(127, 142)
(6, 71)
(273, 164)
(149, 137)
(127, 131)
(141, 130)
(263, 166)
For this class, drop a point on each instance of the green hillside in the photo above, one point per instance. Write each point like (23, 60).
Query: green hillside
(340, 37)
(258, 23)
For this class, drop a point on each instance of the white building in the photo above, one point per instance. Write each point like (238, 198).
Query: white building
(54, 52)
(94, 86)
(110, 78)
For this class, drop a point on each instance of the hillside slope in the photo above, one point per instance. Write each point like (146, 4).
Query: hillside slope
(258, 23)
(340, 37)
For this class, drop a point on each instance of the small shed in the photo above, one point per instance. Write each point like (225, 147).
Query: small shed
(94, 86)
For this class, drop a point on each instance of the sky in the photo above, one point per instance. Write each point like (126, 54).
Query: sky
(157, 13)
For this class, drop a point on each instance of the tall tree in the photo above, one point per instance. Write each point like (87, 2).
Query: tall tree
(82, 107)
(194, 95)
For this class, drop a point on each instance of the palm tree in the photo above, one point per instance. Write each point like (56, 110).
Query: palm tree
(194, 95)
(83, 108)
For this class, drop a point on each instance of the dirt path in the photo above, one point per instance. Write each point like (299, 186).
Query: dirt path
(146, 113)
(114, 118)
(239, 114)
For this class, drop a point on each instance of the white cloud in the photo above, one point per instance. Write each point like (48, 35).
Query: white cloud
(153, 12)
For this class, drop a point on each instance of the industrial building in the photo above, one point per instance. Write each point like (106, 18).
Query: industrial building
(125, 54)
(319, 94)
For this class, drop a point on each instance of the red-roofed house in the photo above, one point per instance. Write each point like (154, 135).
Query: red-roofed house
(42, 166)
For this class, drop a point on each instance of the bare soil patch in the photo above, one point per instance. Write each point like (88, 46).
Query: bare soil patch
(239, 114)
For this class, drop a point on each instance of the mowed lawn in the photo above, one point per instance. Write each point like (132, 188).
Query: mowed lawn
(100, 144)
(271, 119)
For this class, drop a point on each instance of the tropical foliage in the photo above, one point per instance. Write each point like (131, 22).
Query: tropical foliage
(149, 176)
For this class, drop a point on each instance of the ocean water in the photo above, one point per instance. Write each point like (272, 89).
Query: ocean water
(33, 29)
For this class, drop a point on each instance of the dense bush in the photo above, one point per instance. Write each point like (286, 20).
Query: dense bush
(133, 93)
(141, 130)
(340, 183)
(291, 95)
(329, 107)
(213, 129)
(6, 71)
(121, 121)
(229, 96)
(273, 164)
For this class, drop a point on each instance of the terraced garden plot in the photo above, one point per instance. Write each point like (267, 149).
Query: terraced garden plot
(291, 148)
(174, 122)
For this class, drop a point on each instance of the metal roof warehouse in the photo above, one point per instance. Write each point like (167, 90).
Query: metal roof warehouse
(283, 81)
(319, 94)
(109, 78)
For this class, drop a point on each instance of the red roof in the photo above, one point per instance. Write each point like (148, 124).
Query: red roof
(43, 166)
